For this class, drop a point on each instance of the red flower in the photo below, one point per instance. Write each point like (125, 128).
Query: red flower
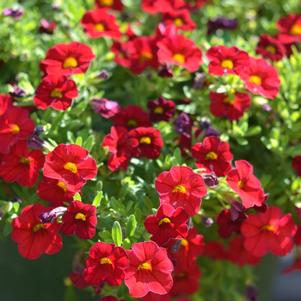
(67, 59)
(161, 109)
(156, 297)
(290, 29)
(196, 4)
(242, 180)
(70, 163)
(225, 60)
(131, 117)
(55, 92)
(5, 103)
(15, 125)
(80, 219)
(106, 262)
(179, 50)
(162, 6)
(181, 187)
(180, 19)
(214, 154)
(231, 107)
(33, 237)
(112, 4)
(167, 223)
(21, 165)
(145, 142)
(215, 250)
(149, 270)
(270, 48)
(260, 78)
(99, 23)
(117, 143)
(296, 163)
(78, 280)
(226, 225)
(295, 266)
(56, 192)
(270, 231)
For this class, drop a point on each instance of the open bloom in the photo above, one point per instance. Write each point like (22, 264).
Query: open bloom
(56, 92)
(80, 219)
(270, 231)
(270, 48)
(180, 19)
(111, 4)
(70, 163)
(214, 154)
(99, 23)
(242, 180)
(162, 6)
(289, 29)
(181, 187)
(149, 270)
(106, 262)
(161, 109)
(33, 237)
(145, 142)
(67, 59)
(167, 223)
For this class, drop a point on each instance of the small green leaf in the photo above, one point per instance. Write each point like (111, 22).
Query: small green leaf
(131, 225)
(77, 197)
(79, 141)
(97, 199)
(117, 233)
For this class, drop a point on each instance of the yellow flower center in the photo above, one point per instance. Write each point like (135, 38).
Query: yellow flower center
(105, 260)
(14, 129)
(211, 156)
(80, 216)
(106, 2)
(296, 29)
(271, 49)
(159, 110)
(37, 227)
(180, 189)
(269, 228)
(145, 266)
(178, 22)
(132, 123)
(184, 242)
(70, 62)
(241, 184)
(179, 58)
(56, 93)
(255, 79)
(62, 185)
(164, 220)
(99, 27)
(146, 56)
(229, 100)
(71, 167)
(24, 160)
(227, 64)
(145, 140)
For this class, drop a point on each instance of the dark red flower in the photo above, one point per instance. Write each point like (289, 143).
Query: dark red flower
(289, 29)
(21, 165)
(5, 103)
(106, 262)
(67, 59)
(99, 23)
(15, 125)
(181, 187)
(80, 219)
(167, 223)
(55, 92)
(179, 50)
(145, 142)
(242, 180)
(33, 237)
(149, 270)
(180, 19)
(226, 224)
(214, 154)
(161, 109)
(111, 4)
(70, 163)
(270, 231)
(215, 250)
(225, 60)
(270, 48)
(260, 78)
(296, 163)
(131, 117)
(56, 192)
(78, 280)
(230, 106)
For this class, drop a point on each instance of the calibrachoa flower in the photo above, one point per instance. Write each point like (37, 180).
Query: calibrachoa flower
(180, 19)
(55, 92)
(260, 78)
(5, 103)
(15, 125)
(47, 26)
(106, 262)
(33, 237)
(296, 163)
(230, 106)
(167, 223)
(270, 231)
(105, 108)
(149, 270)
(225, 60)
(112, 4)
(242, 180)
(67, 59)
(214, 154)
(21, 165)
(181, 187)
(70, 163)
(99, 23)
(162, 6)
(145, 142)
(179, 50)
(290, 29)
(161, 109)
(80, 219)
(131, 117)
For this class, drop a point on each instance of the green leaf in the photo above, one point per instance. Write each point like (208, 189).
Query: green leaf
(131, 225)
(117, 233)
(79, 141)
(77, 197)
(97, 199)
